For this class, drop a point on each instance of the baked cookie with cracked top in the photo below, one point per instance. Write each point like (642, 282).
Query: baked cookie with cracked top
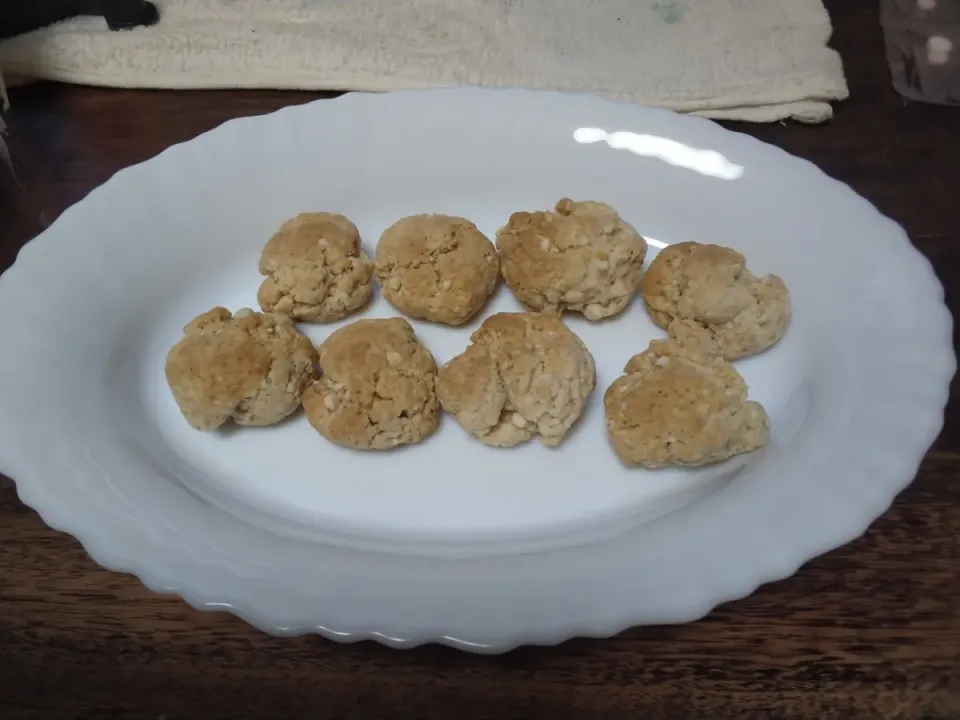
(248, 367)
(436, 267)
(315, 268)
(523, 374)
(680, 403)
(582, 257)
(376, 387)
(710, 288)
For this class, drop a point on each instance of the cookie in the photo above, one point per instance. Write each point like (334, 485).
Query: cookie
(680, 403)
(581, 258)
(522, 375)
(436, 267)
(316, 271)
(248, 367)
(376, 387)
(711, 287)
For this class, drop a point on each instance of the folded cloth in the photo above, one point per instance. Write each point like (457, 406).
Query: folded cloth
(759, 60)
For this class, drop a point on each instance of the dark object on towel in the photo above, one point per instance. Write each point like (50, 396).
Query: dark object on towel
(20, 16)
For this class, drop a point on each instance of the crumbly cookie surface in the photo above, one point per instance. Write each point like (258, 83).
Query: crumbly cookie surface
(315, 270)
(522, 375)
(680, 403)
(376, 387)
(711, 287)
(249, 367)
(582, 257)
(436, 267)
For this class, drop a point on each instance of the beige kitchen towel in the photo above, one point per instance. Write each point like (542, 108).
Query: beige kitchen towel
(758, 60)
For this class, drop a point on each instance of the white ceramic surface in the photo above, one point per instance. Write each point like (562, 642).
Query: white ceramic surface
(451, 541)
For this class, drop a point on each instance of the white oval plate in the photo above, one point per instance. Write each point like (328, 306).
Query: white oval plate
(450, 541)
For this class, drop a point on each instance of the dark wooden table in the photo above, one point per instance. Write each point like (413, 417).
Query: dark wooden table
(871, 630)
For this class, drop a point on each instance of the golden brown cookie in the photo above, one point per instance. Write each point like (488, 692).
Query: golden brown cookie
(582, 258)
(376, 387)
(522, 375)
(711, 287)
(249, 366)
(316, 271)
(681, 403)
(436, 267)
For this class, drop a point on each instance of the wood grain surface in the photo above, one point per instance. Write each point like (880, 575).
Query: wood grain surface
(871, 630)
